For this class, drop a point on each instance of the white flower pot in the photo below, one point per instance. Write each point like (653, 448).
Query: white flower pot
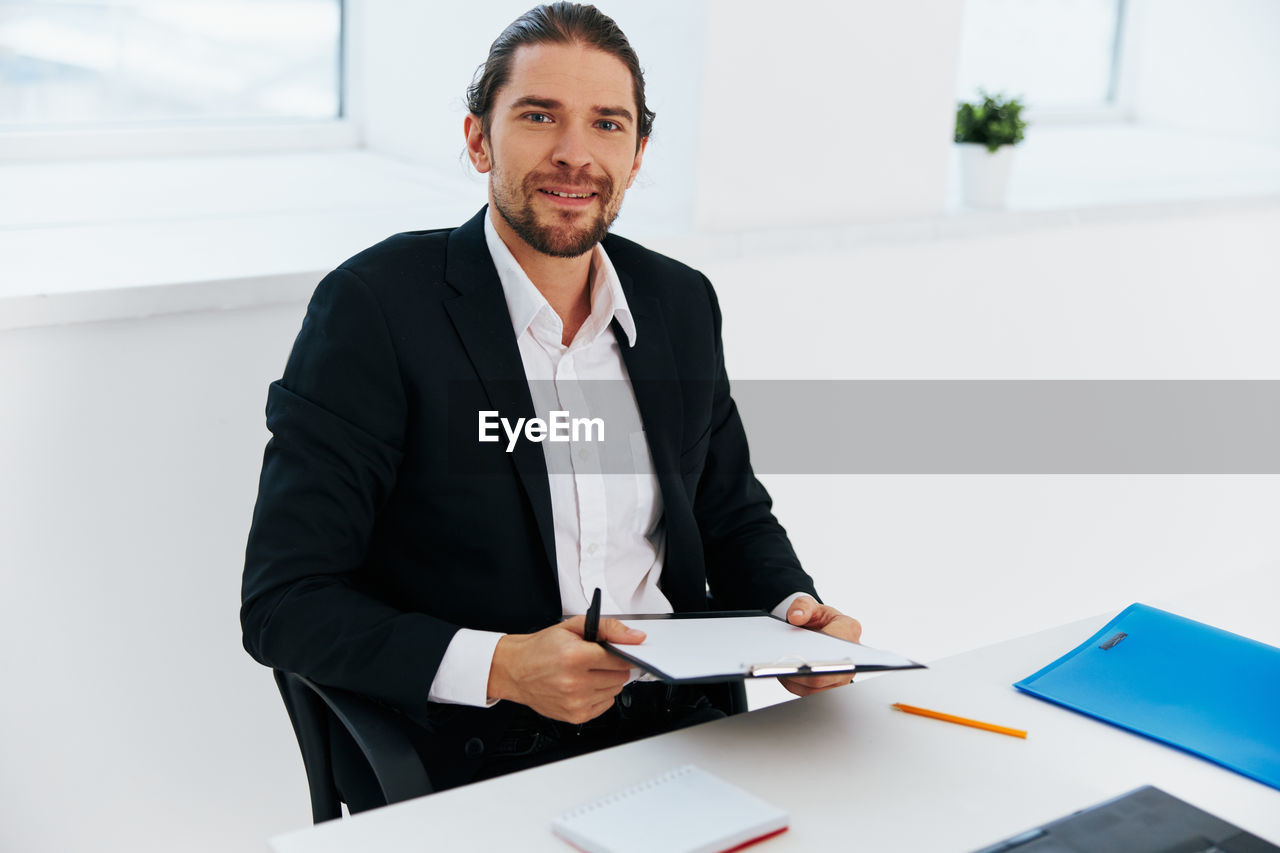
(984, 175)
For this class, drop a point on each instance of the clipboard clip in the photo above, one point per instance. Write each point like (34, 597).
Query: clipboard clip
(799, 666)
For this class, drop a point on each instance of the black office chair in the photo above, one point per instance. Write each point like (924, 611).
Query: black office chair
(328, 718)
(730, 696)
(325, 716)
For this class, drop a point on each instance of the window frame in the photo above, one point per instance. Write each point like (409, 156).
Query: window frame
(1119, 106)
(181, 139)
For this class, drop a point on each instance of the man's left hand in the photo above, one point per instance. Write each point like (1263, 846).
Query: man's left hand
(808, 613)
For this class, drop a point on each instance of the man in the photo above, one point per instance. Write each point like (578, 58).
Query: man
(397, 554)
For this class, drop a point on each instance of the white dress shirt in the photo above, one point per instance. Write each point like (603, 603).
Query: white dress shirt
(609, 530)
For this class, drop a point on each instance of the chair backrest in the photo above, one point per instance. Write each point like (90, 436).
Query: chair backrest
(728, 697)
(327, 717)
(310, 724)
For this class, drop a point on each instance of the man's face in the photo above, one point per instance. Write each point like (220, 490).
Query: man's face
(561, 147)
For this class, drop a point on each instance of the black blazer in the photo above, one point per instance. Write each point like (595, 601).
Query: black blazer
(382, 524)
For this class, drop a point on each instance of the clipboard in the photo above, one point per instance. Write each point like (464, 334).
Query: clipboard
(1195, 687)
(703, 648)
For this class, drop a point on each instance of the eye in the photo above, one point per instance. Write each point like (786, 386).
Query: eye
(605, 124)
(538, 118)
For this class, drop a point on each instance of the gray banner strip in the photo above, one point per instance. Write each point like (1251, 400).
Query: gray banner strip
(1218, 427)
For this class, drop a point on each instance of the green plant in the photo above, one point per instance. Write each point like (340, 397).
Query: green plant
(993, 122)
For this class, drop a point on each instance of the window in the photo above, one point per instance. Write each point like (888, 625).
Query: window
(1058, 56)
(96, 65)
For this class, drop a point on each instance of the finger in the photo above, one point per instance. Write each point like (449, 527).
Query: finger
(801, 610)
(799, 688)
(844, 627)
(810, 689)
(822, 616)
(591, 711)
(816, 683)
(600, 659)
(607, 694)
(608, 680)
(796, 687)
(838, 625)
(576, 624)
(615, 631)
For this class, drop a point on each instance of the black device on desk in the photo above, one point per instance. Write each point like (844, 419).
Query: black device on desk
(1145, 820)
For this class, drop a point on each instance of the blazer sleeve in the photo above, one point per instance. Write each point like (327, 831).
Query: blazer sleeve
(749, 559)
(337, 421)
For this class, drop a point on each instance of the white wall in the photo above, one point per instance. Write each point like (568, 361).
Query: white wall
(1189, 297)
(830, 111)
(1212, 67)
(132, 720)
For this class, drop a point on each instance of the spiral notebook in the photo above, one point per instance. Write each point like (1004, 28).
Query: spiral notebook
(686, 810)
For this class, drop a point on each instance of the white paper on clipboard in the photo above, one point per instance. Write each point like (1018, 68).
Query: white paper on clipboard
(724, 646)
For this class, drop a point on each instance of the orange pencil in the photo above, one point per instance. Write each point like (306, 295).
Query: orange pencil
(950, 718)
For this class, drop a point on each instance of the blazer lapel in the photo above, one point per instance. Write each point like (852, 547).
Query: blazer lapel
(652, 368)
(480, 317)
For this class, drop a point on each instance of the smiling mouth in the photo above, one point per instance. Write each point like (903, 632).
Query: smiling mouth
(567, 195)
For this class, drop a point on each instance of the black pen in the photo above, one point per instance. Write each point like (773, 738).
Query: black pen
(591, 631)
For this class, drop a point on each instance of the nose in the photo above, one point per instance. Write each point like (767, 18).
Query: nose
(571, 150)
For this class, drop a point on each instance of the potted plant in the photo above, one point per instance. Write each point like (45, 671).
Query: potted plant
(986, 131)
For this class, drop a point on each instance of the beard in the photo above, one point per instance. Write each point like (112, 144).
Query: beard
(566, 235)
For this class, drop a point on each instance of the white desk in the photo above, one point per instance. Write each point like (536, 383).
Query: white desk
(846, 766)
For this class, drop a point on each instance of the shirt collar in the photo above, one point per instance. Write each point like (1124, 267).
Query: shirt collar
(525, 301)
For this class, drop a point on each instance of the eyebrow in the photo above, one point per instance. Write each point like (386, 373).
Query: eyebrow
(553, 104)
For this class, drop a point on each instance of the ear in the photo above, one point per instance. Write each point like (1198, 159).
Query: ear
(477, 143)
(635, 164)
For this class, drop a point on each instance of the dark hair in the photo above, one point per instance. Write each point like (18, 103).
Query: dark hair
(556, 23)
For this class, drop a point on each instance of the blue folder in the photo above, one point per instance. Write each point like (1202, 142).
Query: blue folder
(1204, 690)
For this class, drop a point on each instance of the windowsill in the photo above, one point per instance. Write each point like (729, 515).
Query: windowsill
(1066, 167)
(87, 241)
(94, 240)
(1063, 175)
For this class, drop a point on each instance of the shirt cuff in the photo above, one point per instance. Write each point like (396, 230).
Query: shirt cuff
(781, 610)
(463, 676)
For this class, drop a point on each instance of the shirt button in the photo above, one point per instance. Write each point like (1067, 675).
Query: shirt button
(583, 453)
(592, 548)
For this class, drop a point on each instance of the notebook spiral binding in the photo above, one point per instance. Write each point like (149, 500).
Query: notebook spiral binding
(641, 787)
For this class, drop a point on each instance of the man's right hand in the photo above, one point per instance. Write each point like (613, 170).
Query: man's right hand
(558, 674)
